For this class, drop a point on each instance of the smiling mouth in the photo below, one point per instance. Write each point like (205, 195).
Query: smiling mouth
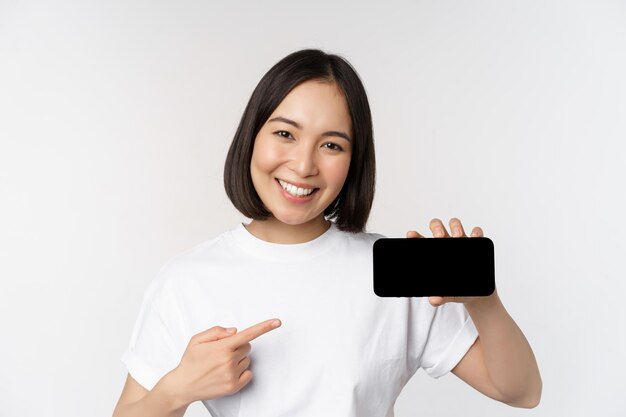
(296, 191)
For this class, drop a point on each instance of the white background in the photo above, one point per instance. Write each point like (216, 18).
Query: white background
(115, 118)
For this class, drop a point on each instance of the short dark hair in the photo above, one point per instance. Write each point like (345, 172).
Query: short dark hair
(351, 209)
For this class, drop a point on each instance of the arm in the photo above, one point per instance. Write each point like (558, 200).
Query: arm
(501, 363)
(135, 400)
(215, 364)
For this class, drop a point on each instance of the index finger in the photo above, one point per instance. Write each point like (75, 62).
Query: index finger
(251, 333)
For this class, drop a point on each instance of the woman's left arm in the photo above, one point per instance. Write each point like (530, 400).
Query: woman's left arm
(501, 363)
(501, 360)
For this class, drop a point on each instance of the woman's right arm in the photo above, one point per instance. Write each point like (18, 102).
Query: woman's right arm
(135, 400)
(214, 364)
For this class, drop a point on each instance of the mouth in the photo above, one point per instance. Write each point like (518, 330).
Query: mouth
(294, 190)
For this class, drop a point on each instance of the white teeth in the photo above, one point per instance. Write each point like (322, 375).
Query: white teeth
(295, 191)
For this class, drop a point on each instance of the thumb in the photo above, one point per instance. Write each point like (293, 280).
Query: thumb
(213, 334)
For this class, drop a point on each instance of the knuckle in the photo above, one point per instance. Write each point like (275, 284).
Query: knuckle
(221, 346)
(233, 373)
(230, 387)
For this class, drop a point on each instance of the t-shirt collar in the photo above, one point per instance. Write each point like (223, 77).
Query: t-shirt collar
(243, 239)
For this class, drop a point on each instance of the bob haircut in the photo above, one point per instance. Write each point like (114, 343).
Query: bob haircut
(351, 209)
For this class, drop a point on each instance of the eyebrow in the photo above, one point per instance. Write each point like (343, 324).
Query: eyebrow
(298, 126)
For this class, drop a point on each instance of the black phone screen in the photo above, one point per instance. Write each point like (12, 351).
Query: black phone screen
(422, 267)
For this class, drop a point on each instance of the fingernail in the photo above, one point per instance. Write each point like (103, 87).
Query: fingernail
(231, 330)
(275, 323)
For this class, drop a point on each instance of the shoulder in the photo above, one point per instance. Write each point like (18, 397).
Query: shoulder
(364, 236)
(360, 240)
(185, 263)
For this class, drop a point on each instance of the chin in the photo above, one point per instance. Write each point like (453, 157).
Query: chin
(292, 220)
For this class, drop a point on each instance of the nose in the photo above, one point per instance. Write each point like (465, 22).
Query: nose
(303, 161)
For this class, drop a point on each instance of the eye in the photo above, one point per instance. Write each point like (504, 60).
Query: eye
(332, 146)
(280, 133)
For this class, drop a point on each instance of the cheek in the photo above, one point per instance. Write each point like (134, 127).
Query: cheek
(265, 157)
(338, 171)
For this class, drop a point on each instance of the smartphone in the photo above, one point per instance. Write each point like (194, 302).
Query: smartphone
(444, 266)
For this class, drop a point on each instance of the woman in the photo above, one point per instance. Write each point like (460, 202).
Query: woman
(302, 167)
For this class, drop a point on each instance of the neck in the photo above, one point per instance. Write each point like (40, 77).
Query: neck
(275, 231)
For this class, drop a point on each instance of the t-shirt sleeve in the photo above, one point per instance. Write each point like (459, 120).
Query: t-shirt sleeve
(150, 353)
(442, 335)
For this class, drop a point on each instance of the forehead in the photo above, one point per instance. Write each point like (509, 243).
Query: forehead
(316, 105)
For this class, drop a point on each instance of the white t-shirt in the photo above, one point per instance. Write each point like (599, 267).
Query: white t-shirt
(341, 350)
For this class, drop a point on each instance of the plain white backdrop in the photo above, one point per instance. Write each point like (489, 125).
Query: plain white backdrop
(115, 118)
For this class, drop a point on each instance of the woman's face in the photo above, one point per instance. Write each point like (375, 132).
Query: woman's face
(302, 153)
